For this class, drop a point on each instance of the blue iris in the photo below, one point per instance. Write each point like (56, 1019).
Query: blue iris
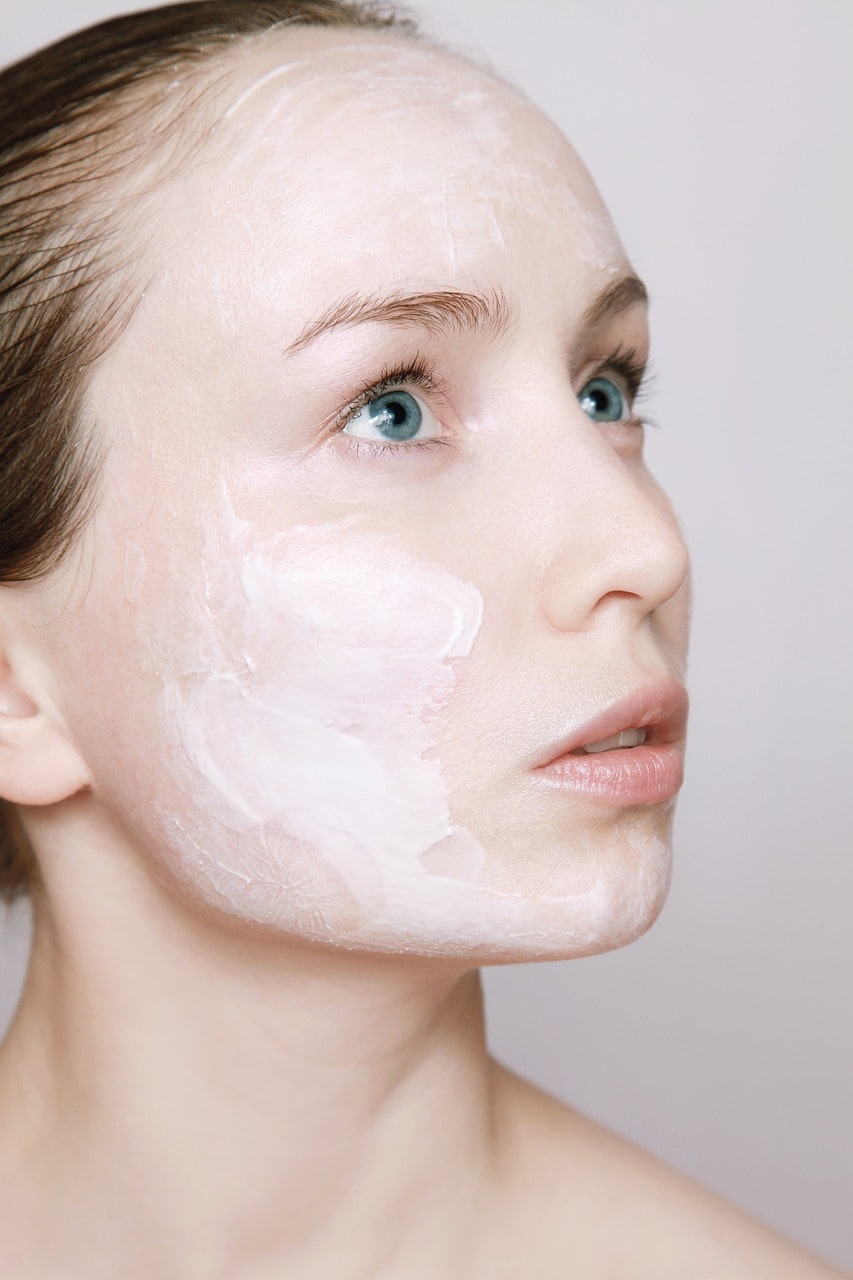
(602, 401)
(397, 414)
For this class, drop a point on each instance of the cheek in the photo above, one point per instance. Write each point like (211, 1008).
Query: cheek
(324, 661)
(296, 689)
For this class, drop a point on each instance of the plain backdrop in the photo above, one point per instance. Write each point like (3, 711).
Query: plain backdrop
(721, 134)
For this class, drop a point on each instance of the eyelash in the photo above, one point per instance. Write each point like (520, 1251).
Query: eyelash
(624, 362)
(416, 373)
(638, 378)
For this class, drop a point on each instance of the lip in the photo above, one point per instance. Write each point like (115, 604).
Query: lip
(648, 774)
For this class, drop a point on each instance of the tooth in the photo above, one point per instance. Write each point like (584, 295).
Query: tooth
(606, 744)
(627, 738)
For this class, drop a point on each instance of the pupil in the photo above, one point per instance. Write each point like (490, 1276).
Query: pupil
(602, 400)
(397, 414)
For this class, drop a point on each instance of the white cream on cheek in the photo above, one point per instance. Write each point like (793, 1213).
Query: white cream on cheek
(325, 653)
(303, 713)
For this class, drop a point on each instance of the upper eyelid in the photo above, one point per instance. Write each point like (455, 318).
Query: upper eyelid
(626, 364)
(397, 383)
(419, 374)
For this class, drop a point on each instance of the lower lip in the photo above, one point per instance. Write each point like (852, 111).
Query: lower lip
(649, 774)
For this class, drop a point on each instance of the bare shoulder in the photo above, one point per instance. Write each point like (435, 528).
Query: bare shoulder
(581, 1201)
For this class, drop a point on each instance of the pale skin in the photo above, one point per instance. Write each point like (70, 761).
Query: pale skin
(202, 1082)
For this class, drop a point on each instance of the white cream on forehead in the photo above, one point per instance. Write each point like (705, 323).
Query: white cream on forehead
(306, 118)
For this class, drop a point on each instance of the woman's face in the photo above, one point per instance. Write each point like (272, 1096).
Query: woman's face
(376, 530)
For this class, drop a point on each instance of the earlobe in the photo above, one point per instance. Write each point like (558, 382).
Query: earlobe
(39, 764)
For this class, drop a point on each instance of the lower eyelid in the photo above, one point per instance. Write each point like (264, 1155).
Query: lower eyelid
(357, 443)
(628, 431)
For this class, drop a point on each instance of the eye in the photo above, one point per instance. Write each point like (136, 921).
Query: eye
(603, 401)
(394, 416)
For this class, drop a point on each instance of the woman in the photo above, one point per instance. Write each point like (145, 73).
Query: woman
(343, 635)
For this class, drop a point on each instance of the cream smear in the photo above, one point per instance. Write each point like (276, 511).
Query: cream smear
(305, 720)
(462, 161)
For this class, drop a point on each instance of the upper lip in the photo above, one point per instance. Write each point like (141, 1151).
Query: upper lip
(660, 709)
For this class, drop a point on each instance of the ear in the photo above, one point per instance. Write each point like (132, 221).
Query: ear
(39, 763)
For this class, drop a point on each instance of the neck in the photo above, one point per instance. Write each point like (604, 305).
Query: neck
(217, 1101)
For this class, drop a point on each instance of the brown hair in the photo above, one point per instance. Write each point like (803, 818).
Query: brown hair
(74, 117)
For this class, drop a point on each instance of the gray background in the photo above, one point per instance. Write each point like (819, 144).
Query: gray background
(720, 133)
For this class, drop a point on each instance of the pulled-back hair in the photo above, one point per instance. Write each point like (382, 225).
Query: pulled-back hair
(76, 119)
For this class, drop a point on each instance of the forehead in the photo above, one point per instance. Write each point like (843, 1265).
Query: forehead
(312, 84)
(328, 146)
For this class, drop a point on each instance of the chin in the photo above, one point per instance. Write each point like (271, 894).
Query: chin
(593, 896)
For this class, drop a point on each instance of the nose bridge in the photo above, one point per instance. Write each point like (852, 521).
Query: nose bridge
(613, 533)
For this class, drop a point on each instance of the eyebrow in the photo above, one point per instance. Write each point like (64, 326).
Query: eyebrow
(623, 293)
(440, 312)
(451, 310)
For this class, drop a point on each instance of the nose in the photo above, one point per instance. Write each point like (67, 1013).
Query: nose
(614, 541)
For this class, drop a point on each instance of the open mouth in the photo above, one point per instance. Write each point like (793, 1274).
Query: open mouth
(652, 717)
(616, 742)
(631, 754)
